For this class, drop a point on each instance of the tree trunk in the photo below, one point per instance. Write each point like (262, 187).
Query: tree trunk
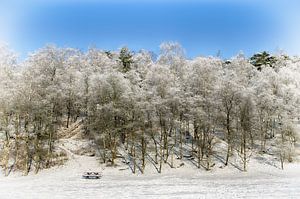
(144, 147)
(104, 150)
(156, 149)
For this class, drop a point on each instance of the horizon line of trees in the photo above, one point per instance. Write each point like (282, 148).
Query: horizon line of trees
(130, 103)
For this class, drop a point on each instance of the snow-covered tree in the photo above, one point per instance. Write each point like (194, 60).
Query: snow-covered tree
(132, 105)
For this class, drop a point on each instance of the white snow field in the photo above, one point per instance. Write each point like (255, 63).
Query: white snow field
(186, 182)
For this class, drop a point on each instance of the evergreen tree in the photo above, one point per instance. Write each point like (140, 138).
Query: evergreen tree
(126, 59)
(262, 59)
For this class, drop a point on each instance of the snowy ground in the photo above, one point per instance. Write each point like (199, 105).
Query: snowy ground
(263, 180)
(66, 182)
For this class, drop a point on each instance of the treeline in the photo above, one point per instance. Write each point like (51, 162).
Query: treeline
(147, 106)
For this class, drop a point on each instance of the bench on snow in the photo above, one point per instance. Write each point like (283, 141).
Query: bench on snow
(91, 175)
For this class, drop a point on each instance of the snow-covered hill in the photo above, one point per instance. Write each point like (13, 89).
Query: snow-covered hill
(66, 182)
(261, 181)
(264, 179)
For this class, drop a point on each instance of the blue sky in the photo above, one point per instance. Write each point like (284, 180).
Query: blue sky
(203, 27)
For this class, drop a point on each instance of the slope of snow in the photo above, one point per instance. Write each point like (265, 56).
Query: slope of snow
(264, 179)
(66, 182)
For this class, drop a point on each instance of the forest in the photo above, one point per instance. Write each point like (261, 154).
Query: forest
(151, 107)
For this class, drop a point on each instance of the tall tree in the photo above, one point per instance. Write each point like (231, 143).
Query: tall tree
(126, 60)
(262, 59)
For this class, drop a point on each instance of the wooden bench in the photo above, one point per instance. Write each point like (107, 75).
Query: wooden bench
(92, 175)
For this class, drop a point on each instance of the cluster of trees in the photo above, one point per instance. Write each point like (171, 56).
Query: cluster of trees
(129, 102)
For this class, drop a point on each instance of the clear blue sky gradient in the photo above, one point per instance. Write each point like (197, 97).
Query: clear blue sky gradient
(202, 27)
